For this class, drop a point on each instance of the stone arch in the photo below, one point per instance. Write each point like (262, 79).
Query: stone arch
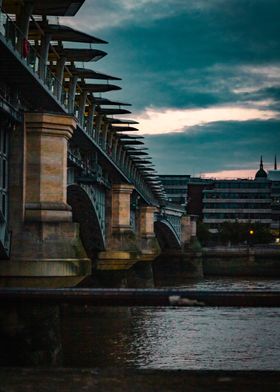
(166, 235)
(85, 213)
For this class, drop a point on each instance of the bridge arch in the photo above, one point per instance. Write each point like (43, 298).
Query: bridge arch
(86, 212)
(166, 235)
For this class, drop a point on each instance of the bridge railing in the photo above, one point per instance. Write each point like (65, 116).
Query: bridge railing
(16, 40)
(26, 52)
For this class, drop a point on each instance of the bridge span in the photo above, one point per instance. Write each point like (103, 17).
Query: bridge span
(78, 190)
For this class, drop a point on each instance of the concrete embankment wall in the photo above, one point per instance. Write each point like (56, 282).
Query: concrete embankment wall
(241, 261)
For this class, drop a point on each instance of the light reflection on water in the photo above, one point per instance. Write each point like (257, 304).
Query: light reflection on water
(178, 338)
(193, 338)
(223, 283)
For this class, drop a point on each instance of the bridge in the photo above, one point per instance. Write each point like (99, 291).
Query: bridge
(78, 190)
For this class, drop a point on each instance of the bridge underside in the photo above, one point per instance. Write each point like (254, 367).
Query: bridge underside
(85, 214)
(166, 236)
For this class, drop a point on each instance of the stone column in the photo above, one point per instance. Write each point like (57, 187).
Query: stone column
(46, 166)
(186, 230)
(121, 207)
(147, 221)
(122, 249)
(148, 243)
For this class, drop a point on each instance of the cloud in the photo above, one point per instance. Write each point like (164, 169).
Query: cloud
(158, 121)
(215, 147)
(100, 16)
(203, 77)
(231, 174)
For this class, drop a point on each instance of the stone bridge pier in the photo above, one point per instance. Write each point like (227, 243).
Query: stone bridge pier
(154, 234)
(130, 235)
(46, 249)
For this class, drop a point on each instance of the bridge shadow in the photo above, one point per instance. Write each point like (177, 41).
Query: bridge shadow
(84, 213)
(166, 235)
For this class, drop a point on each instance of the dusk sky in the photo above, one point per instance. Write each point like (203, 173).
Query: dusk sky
(203, 77)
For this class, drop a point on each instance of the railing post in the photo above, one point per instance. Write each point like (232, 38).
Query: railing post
(90, 118)
(105, 128)
(72, 93)
(59, 77)
(98, 121)
(44, 51)
(82, 105)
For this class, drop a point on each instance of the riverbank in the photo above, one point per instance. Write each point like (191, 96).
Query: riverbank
(241, 261)
(121, 379)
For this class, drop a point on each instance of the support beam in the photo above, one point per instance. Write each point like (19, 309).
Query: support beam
(22, 21)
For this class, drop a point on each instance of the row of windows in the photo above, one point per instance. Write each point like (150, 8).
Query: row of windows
(237, 195)
(228, 215)
(175, 181)
(242, 185)
(179, 200)
(237, 205)
(176, 191)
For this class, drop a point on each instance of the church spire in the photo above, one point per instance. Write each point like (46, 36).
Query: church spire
(261, 173)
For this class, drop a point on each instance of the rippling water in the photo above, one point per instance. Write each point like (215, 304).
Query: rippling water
(177, 338)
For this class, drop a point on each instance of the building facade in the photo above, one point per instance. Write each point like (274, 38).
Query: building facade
(237, 200)
(216, 201)
(176, 188)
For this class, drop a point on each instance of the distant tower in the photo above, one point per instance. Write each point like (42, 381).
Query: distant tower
(275, 163)
(261, 173)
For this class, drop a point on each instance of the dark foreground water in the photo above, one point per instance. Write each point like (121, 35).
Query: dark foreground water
(177, 338)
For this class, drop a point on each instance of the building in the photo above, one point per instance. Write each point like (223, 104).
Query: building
(176, 188)
(274, 177)
(217, 201)
(242, 200)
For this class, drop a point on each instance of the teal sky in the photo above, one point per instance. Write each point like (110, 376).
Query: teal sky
(202, 76)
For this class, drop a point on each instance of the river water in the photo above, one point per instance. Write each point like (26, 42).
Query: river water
(177, 338)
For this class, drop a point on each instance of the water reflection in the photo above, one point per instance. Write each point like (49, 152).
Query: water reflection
(177, 338)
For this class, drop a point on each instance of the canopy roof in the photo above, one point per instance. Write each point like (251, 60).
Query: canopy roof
(125, 129)
(73, 54)
(137, 152)
(90, 74)
(106, 101)
(132, 142)
(99, 88)
(63, 33)
(119, 121)
(50, 7)
(112, 111)
(129, 137)
(144, 161)
(145, 169)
